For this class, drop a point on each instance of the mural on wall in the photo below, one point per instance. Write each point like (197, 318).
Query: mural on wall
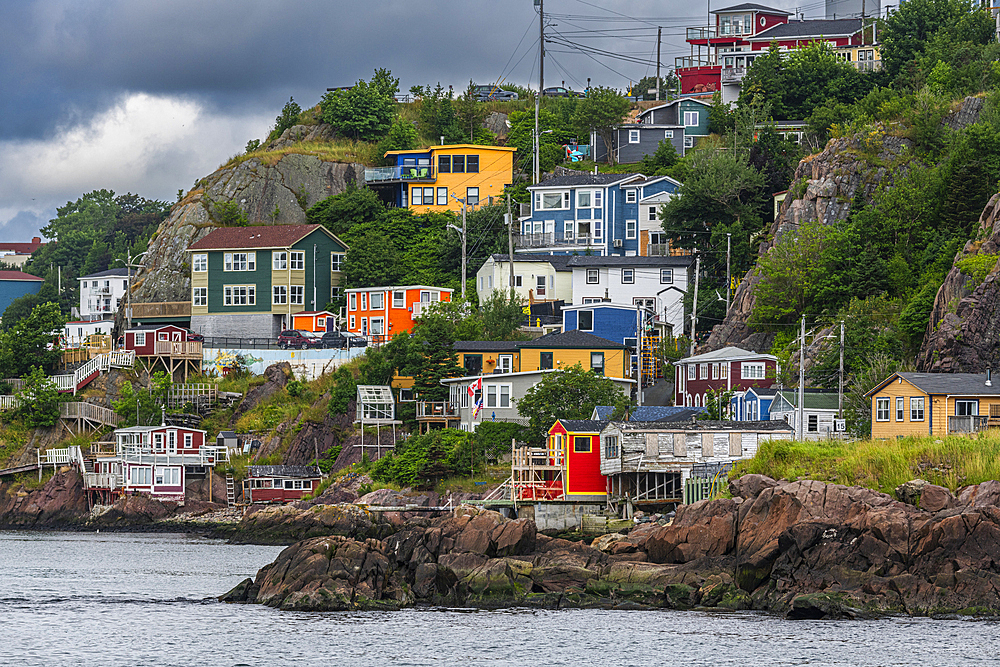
(306, 364)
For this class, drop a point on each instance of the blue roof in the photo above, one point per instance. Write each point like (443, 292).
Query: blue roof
(651, 413)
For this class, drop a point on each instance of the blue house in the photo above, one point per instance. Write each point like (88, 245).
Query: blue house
(15, 284)
(754, 404)
(615, 322)
(596, 214)
(680, 122)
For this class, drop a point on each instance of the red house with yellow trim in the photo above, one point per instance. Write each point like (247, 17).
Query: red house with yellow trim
(568, 467)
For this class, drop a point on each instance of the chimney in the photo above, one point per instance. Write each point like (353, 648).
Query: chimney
(989, 377)
(35, 240)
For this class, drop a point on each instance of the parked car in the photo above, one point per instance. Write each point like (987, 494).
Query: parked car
(559, 91)
(487, 93)
(191, 335)
(299, 339)
(335, 339)
(355, 340)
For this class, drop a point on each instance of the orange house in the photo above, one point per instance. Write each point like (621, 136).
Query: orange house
(311, 320)
(383, 312)
(569, 468)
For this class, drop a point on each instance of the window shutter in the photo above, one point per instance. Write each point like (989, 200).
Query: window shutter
(708, 444)
(652, 446)
(735, 444)
(680, 444)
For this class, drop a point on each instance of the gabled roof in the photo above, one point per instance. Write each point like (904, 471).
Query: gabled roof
(628, 262)
(22, 248)
(122, 272)
(670, 104)
(961, 384)
(573, 180)
(558, 262)
(603, 412)
(751, 7)
(657, 413)
(20, 275)
(583, 425)
(726, 354)
(486, 345)
(573, 338)
(809, 29)
(284, 471)
(811, 400)
(258, 236)
(154, 327)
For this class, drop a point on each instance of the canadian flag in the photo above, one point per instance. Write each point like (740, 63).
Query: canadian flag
(474, 387)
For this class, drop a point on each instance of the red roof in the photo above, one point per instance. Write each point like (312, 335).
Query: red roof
(19, 275)
(23, 248)
(259, 236)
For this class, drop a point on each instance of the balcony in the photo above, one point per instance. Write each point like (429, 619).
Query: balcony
(161, 309)
(407, 173)
(179, 349)
(866, 65)
(690, 62)
(967, 423)
(733, 74)
(706, 32)
(437, 411)
(549, 239)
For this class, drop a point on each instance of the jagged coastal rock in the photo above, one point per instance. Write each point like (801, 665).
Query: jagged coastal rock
(805, 549)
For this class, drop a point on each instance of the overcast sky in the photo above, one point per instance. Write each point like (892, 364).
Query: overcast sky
(147, 97)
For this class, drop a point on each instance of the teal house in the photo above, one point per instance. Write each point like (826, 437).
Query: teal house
(15, 284)
(248, 282)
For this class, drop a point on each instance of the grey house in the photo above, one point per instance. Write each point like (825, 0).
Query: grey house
(680, 122)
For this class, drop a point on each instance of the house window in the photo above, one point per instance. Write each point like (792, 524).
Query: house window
(364, 301)
(593, 276)
(158, 442)
(472, 195)
(162, 335)
(966, 408)
(666, 276)
(688, 142)
(703, 371)
(442, 196)
(378, 326)
(753, 371)
(582, 444)
(378, 300)
(472, 164)
(140, 339)
(444, 164)
(336, 293)
(458, 164)
(239, 295)
(899, 408)
(633, 136)
(545, 361)
(917, 409)
(352, 301)
(547, 201)
(692, 372)
(498, 395)
(297, 294)
(628, 276)
(279, 294)
(199, 296)
(724, 371)
(585, 320)
(668, 134)
(630, 196)
(398, 299)
(505, 363)
(584, 199)
(321, 322)
(188, 441)
(813, 424)
(882, 409)
(715, 371)
(199, 264)
(568, 230)
(611, 447)
(298, 262)
(518, 280)
(352, 325)
(279, 260)
(336, 261)
(653, 216)
(690, 118)
(630, 227)
(141, 476)
(240, 261)
(597, 362)
(417, 198)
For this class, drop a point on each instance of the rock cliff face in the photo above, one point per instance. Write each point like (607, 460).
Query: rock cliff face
(268, 191)
(805, 549)
(832, 179)
(59, 502)
(963, 334)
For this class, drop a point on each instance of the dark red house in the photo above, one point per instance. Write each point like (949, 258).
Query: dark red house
(166, 345)
(281, 484)
(728, 368)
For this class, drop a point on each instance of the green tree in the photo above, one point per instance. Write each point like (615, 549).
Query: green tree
(717, 404)
(663, 158)
(434, 336)
(601, 111)
(346, 210)
(371, 262)
(469, 112)
(288, 118)
(668, 87)
(402, 136)
(143, 407)
(38, 400)
(31, 342)
(366, 110)
(571, 393)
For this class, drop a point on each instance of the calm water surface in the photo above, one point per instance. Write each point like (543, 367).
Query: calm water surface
(137, 599)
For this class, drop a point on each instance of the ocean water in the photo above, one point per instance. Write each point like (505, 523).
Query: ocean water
(148, 599)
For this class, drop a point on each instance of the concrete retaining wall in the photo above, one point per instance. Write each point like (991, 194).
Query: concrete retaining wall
(308, 364)
(558, 515)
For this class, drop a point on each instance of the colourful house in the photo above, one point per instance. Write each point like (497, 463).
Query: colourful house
(383, 312)
(429, 180)
(281, 484)
(312, 320)
(728, 368)
(248, 282)
(567, 468)
(15, 284)
(922, 404)
(562, 350)
(166, 345)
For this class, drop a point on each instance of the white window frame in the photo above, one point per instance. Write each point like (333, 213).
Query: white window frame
(631, 226)
(900, 408)
(240, 261)
(593, 276)
(139, 339)
(630, 197)
(336, 261)
(297, 294)
(399, 298)
(703, 371)
(628, 276)
(351, 325)
(666, 276)
(584, 199)
(472, 196)
(543, 198)
(239, 295)
(199, 263)
(724, 370)
(381, 300)
(352, 301)
(917, 408)
(279, 260)
(691, 118)
(377, 330)
(279, 295)
(297, 260)
(579, 322)
(692, 373)
(753, 370)
(364, 301)
(881, 408)
(442, 196)
(715, 371)
(668, 134)
(688, 142)
(199, 296)
(505, 363)
(974, 403)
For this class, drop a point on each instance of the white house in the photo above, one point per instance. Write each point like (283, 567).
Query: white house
(656, 283)
(536, 277)
(101, 293)
(819, 409)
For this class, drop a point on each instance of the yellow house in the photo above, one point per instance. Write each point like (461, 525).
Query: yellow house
(483, 357)
(430, 179)
(562, 350)
(934, 404)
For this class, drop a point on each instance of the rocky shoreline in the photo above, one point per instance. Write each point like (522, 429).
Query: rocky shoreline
(804, 549)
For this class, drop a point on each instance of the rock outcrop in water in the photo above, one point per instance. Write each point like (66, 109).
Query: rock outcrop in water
(805, 549)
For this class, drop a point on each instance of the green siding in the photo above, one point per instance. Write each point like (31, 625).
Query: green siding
(702, 127)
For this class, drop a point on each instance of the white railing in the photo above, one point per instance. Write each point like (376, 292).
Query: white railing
(8, 402)
(120, 359)
(88, 411)
(61, 457)
(140, 454)
(178, 348)
(65, 382)
(502, 492)
(102, 480)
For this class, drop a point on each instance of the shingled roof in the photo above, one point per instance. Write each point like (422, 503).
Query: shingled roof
(809, 29)
(285, 471)
(19, 275)
(961, 384)
(573, 338)
(259, 236)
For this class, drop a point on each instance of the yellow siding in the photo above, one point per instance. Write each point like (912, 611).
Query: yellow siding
(496, 167)
(490, 360)
(893, 428)
(614, 360)
(198, 279)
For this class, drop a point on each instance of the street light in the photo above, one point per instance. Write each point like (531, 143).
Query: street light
(129, 265)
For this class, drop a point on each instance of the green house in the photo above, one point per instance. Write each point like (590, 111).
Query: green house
(248, 282)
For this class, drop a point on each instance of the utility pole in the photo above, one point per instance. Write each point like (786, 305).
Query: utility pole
(729, 279)
(510, 243)
(694, 305)
(462, 231)
(541, 77)
(840, 393)
(129, 265)
(659, 32)
(802, 377)
(315, 305)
